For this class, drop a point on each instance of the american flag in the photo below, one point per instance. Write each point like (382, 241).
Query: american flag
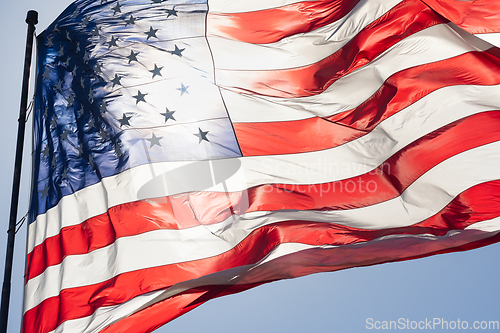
(186, 150)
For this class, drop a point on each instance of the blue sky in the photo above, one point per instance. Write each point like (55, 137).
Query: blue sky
(449, 287)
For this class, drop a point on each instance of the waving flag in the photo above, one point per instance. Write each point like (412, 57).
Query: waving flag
(186, 150)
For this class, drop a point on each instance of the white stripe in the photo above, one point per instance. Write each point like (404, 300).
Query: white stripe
(430, 45)
(346, 161)
(231, 6)
(105, 316)
(286, 249)
(297, 50)
(486, 226)
(422, 199)
(254, 273)
(492, 38)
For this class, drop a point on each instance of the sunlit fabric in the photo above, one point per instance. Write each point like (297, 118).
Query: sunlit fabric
(187, 150)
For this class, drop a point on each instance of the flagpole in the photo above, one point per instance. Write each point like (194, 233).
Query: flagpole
(31, 20)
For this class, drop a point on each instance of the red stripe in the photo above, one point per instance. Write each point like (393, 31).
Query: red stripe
(167, 310)
(272, 25)
(155, 316)
(390, 179)
(481, 202)
(384, 183)
(405, 19)
(478, 16)
(131, 219)
(158, 314)
(289, 137)
(102, 230)
(398, 92)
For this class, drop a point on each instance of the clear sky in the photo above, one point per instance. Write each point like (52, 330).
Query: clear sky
(449, 287)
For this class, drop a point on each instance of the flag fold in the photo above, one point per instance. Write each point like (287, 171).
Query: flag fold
(191, 149)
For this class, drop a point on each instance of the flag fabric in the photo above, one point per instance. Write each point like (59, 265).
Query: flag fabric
(186, 150)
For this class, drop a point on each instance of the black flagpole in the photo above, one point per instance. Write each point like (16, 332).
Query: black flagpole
(31, 19)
